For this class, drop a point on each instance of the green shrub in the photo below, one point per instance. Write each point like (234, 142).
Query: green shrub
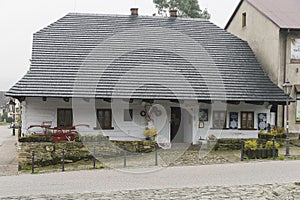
(251, 144)
(150, 132)
(269, 145)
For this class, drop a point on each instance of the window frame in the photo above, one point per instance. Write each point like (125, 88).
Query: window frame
(65, 112)
(99, 123)
(241, 124)
(297, 107)
(225, 120)
(244, 19)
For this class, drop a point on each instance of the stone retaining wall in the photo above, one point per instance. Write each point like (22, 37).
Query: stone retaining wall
(50, 153)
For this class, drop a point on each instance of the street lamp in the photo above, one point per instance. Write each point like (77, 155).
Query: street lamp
(12, 108)
(287, 86)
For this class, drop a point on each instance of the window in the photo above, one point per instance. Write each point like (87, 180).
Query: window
(104, 118)
(247, 120)
(128, 115)
(64, 118)
(244, 19)
(219, 119)
(298, 107)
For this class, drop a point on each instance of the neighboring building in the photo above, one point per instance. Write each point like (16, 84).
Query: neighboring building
(3, 102)
(122, 74)
(272, 29)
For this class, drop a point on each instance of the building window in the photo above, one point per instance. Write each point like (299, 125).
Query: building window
(104, 118)
(219, 119)
(128, 115)
(247, 120)
(244, 19)
(298, 108)
(64, 118)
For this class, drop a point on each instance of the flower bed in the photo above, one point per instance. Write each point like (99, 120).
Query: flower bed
(255, 150)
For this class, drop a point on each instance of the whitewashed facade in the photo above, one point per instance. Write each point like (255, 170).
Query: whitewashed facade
(36, 110)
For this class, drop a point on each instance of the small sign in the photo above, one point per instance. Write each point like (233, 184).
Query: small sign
(203, 114)
(201, 124)
(295, 50)
(262, 121)
(233, 120)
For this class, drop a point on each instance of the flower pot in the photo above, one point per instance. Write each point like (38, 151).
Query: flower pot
(264, 153)
(258, 153)
(250, 154)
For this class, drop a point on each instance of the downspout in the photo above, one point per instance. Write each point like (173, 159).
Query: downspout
(284, 68)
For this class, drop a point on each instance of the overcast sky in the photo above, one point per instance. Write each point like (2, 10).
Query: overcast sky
(19, 19)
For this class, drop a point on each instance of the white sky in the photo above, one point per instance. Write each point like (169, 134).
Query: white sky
(19, 19)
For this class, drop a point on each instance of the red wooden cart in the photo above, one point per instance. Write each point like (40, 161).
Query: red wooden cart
(58, 133)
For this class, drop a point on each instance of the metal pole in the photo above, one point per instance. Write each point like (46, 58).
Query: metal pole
(242, 151)
(14, 119)
(156, 161)
(287, 147)
(94, 164)
(273, 148)
(63, 160)
(32, 162)
(124, 155)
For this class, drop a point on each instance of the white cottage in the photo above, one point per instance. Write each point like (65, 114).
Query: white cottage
(122, 74)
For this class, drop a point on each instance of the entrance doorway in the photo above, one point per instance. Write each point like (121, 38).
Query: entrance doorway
(175, 122)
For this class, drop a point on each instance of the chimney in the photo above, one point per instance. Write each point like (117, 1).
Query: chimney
(173, 13)
(134, 11)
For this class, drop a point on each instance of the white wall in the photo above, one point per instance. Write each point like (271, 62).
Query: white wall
(232, 133)
(35, 111)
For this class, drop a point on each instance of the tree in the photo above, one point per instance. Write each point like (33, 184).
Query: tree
(185, 8)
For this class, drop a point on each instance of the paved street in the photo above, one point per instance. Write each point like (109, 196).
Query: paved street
(97, 181)
(8, 154)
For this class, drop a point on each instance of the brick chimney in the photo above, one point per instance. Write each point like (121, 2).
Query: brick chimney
(134, 11)
(173, 13)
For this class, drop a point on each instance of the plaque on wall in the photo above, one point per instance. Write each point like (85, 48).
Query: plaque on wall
(203, 114)
(233, 120)
(262, 121)
(295, 50)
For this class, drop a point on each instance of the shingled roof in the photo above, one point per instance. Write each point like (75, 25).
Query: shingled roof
(113, 56)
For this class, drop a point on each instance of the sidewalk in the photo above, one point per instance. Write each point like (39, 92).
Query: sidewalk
(97, 181)
(8, 153)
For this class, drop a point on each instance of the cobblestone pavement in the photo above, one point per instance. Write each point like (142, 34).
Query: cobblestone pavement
(269, 191)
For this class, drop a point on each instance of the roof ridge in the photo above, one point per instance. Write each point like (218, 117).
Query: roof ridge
(143, 16)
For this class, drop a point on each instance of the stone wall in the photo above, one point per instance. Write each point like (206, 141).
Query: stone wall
(50, 153)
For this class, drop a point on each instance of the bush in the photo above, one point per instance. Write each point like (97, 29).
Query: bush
(9, 120)
(150, 132)
(251, 144)
(269, 145)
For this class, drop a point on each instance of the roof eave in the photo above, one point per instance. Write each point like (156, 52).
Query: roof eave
(233, 14)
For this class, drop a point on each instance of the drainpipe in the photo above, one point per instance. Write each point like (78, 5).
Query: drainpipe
(284, 68)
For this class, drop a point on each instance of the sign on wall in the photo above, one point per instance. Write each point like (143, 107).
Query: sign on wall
(233, 120)
(262, 121)
(295, 50)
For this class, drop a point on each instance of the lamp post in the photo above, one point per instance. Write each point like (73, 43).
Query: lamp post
(12, 108)
(287, 86)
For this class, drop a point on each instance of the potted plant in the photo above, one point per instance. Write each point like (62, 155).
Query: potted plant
(250, 148)
(269, 148)
(150, 133)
